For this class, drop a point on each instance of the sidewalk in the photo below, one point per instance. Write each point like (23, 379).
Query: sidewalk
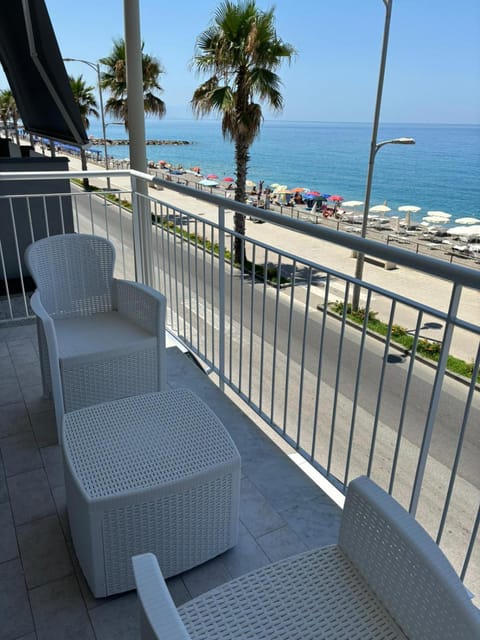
(403, 281)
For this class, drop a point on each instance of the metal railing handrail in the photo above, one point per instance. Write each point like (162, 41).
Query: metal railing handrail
(433, 266)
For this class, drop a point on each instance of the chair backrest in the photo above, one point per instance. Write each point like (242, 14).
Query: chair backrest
(404, 567)
(73, 273)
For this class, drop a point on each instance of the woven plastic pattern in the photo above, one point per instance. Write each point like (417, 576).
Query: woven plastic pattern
(117, 376)
(315, 596)
(138, 305)
(183, 529)
(158, 473)
(179, 437)
(404, 567)
(73, 273)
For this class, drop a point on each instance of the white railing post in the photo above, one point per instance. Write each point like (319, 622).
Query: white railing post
(434, 400)
(221, 294)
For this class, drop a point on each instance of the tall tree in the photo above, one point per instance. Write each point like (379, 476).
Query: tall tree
(240, 51)
(87, 104)
(114, 79)
(9, 112)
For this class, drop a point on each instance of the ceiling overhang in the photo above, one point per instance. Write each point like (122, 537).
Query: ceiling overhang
(34, 68)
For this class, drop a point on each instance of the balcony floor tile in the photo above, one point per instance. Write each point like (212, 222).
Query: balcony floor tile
(282, 511)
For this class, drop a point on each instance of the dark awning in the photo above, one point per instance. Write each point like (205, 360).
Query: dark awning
(34, 68)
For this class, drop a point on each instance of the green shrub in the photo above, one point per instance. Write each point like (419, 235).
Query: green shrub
(399, 335)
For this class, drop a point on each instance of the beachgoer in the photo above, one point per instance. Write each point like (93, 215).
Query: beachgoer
(298, 198)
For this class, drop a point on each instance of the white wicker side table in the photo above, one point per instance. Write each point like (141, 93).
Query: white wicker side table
(156, 472)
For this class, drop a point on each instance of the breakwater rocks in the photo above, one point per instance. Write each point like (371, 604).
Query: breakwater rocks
(114, 143)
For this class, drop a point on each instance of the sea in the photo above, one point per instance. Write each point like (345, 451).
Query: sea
(441, 172)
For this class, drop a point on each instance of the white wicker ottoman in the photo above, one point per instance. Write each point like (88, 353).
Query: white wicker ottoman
(156, 472)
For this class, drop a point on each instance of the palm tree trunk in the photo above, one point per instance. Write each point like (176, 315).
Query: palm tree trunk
(241, 161)
(83, 158)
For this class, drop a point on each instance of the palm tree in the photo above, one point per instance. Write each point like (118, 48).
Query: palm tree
(85, 99)
(115, 80)
(9, 111)
(241, 51)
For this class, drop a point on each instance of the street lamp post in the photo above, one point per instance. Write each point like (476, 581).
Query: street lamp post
(363, 232)
(374, 147)
(108, 124)
(96, 67)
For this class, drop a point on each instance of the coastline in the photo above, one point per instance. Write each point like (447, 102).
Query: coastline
(438, 173)
(403, 281)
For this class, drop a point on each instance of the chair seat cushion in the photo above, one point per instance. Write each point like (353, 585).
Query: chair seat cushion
(82, 337)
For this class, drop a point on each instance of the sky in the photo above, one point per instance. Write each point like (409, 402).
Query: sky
(433, 63)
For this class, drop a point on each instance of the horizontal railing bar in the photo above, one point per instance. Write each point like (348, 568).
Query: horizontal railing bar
(433, 266)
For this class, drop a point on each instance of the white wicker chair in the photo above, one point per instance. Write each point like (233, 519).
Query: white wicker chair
(385, 579)
(100, 338)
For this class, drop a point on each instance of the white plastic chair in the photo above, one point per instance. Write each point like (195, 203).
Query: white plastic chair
(385, 578)
(100, 338)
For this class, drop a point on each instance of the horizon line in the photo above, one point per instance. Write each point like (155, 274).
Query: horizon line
(279, 120)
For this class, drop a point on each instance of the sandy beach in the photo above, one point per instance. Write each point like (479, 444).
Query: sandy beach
(403, 281)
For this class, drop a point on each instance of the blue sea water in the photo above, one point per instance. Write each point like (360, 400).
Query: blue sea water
(440, 172)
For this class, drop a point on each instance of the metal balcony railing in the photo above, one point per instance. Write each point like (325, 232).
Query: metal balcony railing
(373, 396)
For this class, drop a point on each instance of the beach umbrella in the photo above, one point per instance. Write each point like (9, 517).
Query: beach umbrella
(298, 189)
(282, 188)
(435, 219)
(439, 214)
(335, 198)
(228, 179)
(326, 196)
(409, 208)
(250, 183)
(352, 203)
(208, 183)
(380, 208)
(212, 176)
(460, 231)
(467, 220)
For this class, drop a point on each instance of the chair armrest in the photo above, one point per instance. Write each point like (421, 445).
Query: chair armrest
(147, 308)
(159, 616)
(49, 332)
(141, 304)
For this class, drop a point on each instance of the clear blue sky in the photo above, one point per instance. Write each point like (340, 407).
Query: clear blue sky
(433, 66)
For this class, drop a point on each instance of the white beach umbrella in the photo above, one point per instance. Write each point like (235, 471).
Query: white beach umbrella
(439, 214)
(435, 219)
(460, 231)
(380, 208)
(409, 208)
(352, 203)
(467, 220)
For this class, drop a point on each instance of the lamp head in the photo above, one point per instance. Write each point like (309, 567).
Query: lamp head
(403, 141)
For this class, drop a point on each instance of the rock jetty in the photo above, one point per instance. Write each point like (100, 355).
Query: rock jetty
(114, 143)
